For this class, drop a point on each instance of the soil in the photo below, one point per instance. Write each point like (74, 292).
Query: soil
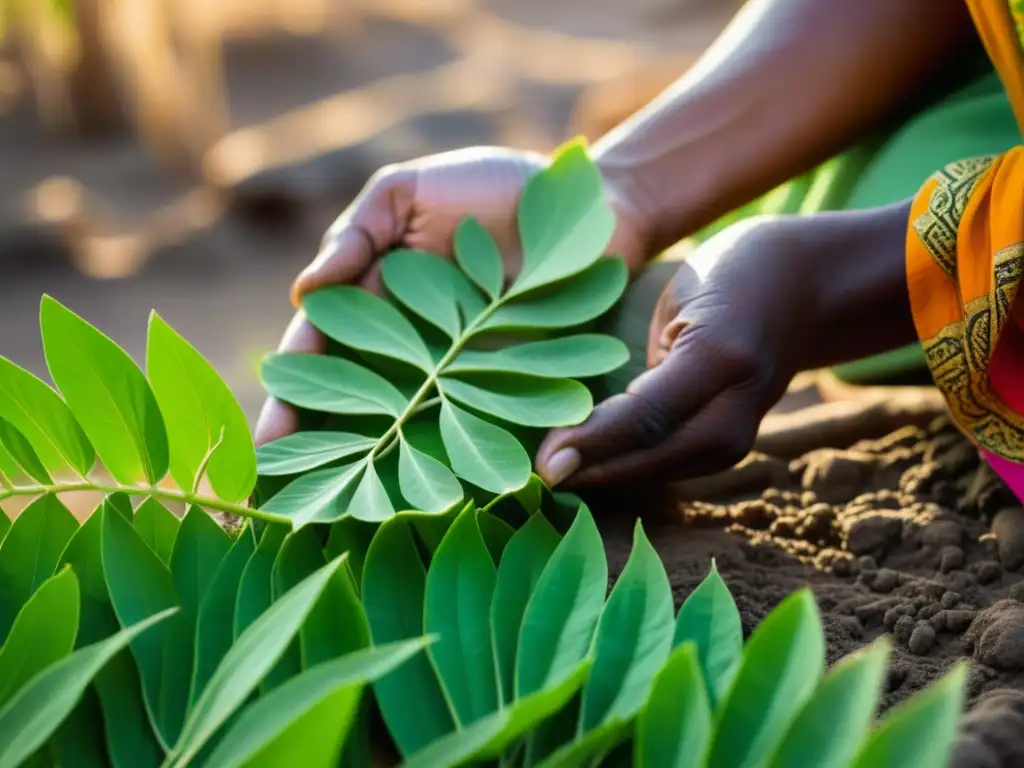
(908, 535)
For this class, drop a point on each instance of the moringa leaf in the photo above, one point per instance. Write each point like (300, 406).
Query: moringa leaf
(425, 482)
(329, 384)
(303, 451)
(568, 357)
(22, 454)
(478, 256)
(674, 727)
(523, 400)
(322, 496)
(370, 502)
(496, 532)
(158, 527)
(352, 536)
(205, 423)
(108, 395)
(426, 284)
(483, 453)
(255, 592)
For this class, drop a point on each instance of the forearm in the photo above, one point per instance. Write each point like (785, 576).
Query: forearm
(788, 84)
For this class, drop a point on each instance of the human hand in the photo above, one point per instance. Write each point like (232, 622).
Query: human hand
(419, 205)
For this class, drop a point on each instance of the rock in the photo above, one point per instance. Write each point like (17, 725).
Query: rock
(950, 559)
(867, 563)
(987, 571)
(886, 580)
(989, 735)
(836, 476)
(873, 532)
(893, 615)
(958, 621)
(938, 621)
(997, 636)
(757, 514)
(950, 599)
(904, 629)
(1017, 591)
(921, 639)
(1008, 527)
(926, 612)
(942, 533)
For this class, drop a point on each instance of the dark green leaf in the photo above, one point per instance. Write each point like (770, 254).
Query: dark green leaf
(108, 395)
(352, 536)
(44, 419)
(573, 357)
(5, 526)
(459, 746)
(634, 638)
(831, 727)
(80, 740)
(248, 661)
(590, 748)
(322, 496)
(380, 327)
(781, 666)
(482, 453)
(204, 421)
(524, 400)
(30, 552)
(303, 451)
(370, 502)
(120, 502)
(255, 589)
(460, 585)
(158, 527)
(43, 633)
(710, 620)
(674, 729)
(22, 454)
(478, 256)
(41, 706)
(560, 617)
(521, 567)
(426, 483)
(919, 733)
(497, 534)
(426, 284)
(330, 384)
(300, 555)
(394, 587)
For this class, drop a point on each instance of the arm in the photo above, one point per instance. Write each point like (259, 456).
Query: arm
(788, 84)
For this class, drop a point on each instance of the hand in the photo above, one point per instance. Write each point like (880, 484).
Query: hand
(729, 333)
(419, 204)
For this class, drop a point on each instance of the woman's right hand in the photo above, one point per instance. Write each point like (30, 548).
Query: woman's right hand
(419, 204)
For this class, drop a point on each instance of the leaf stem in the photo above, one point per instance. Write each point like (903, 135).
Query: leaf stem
(5, 481)
(163, 494)
(206, 460)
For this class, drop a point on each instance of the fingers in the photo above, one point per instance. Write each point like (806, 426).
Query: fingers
(276, 418)
(345, 258)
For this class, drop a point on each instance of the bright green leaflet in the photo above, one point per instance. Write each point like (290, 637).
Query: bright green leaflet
(320, 496)
(426, 483)
(496, 532)
(833, 723)
(44, 419)
(158, 527)
(634, 637)
(781, 666)
(394, 586)
(521, 566)
(370, 502)
(574, 357)
(22, 454)
(330, 384)
(266, 724)
(248, 661)
(108, 395)
(30, 552)
(478, 256)
(483, 453)
(919, 733)
(674, 728)
(425, 284)
(561, 615)
(206, 426)
(460, 585)
(304, 451)
(41, 706)
(255, 589)
(524, 400)
(43, 633)
(710, 620)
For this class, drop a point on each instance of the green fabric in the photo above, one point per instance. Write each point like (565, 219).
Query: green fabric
(975, 119)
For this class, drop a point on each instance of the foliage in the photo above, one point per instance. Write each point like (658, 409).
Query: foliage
(426, 376)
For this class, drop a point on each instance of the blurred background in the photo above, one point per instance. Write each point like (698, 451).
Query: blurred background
(187, 155)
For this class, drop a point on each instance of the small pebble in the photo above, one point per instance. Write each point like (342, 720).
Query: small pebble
(867, 563)
(938, 621)
(903, 629)
(987, 571)
(928, 611)
(950, 558)
(962, 582)
(942, 533)
(893, 615)
(886, 580)
(959, 620)
(950, 599)
(1017, 591)
(921, 639)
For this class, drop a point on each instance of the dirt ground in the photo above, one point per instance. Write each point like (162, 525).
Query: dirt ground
(897, 530)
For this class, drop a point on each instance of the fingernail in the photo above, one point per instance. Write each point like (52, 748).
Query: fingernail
(561, 465)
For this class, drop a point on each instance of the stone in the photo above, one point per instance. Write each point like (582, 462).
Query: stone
(873, 532)
(942, 533)
(950, 558)
(904, 628)
(1008, 527)
(886, 580)
(987, 571)
(921, 639)
(950, 599)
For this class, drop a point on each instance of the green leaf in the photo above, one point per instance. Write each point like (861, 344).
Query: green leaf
(460, 585)
(564, 221)
(426, 284)
(370, 502)
(43, 633)
(520, 570)
(108, 395)
(478, 256)
(255, 588)
(158, 527)
(831, 727)
(482, 453)
(566, 304)
(205, 423)
(303, 451)
(919, 733)
(79, 741)
(40, 707)
(322, 496)
(215, 623)
(300, 555)
(426, 483)
(352, 536)
(30, 552)
(140, 585)
(5, 526)
(394, 587)
(308, 715)
(634, 637)
(459, 746)
(590, 748)
(44, 419)
(674, 728)
(568, 357)
(781, 666)
(329, 384)
(496, 532)
(22, 454)
(710, 620)
(337, 625)
(523, 400)
(380, 328)
(560, 617)
(248, 661)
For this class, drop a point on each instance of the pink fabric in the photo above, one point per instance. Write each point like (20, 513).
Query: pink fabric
(1006, 375)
